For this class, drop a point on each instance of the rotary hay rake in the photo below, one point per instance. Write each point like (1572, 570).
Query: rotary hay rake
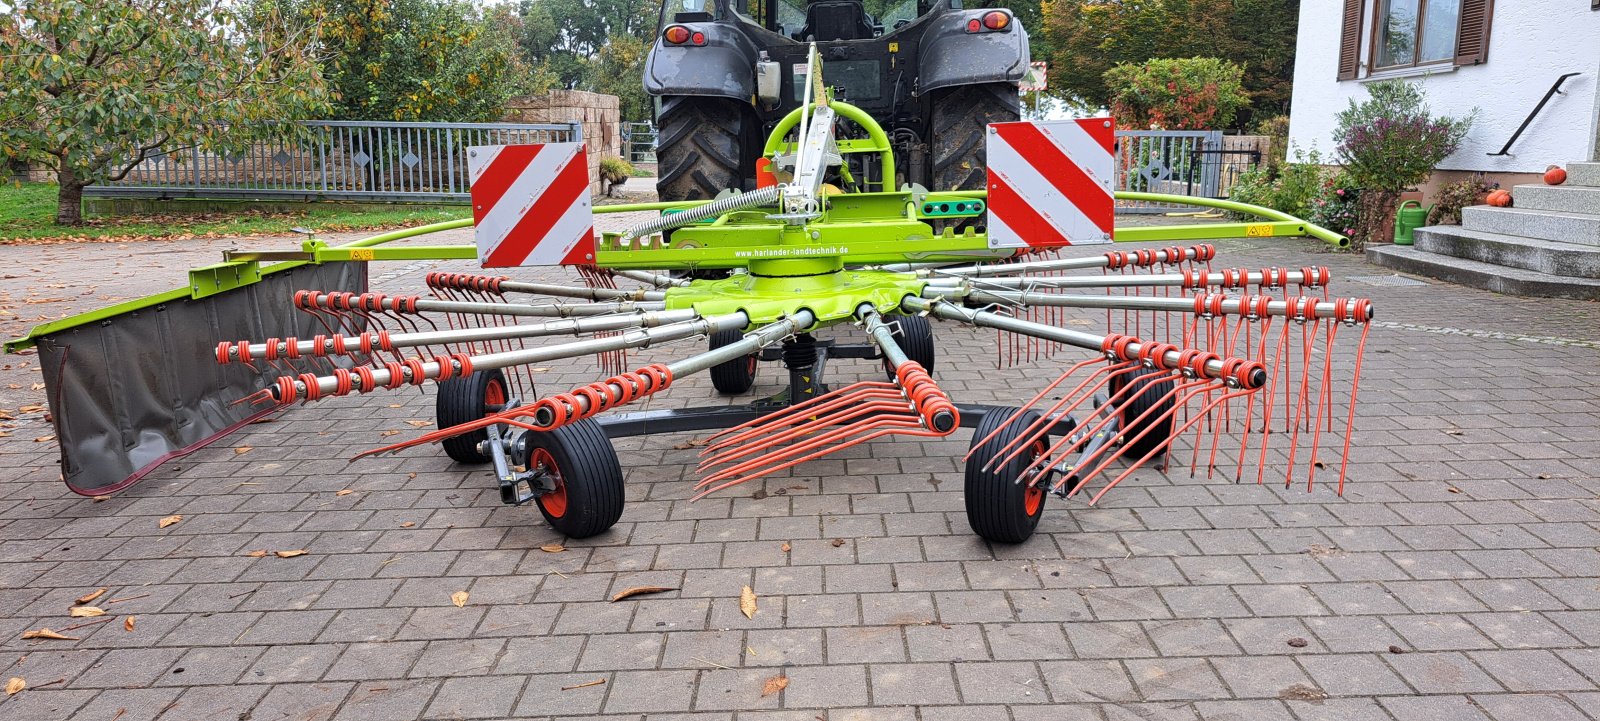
(1230, 371)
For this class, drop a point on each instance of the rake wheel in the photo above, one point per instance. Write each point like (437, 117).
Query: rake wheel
(735, 376)
(998, 507)
(463, 400)
(588, 494)
(1148, 394)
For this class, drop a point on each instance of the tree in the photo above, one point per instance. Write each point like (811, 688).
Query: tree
(408, 60)
(1089, 37)
(1176, 94)
(597, 45)
(91, 89)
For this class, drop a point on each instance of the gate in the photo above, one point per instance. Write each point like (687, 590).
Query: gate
(1176, 162)
(639, 142)
(340, 160)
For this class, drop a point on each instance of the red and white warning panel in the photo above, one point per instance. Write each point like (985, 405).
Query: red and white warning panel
(530, 204)
(1050, 183)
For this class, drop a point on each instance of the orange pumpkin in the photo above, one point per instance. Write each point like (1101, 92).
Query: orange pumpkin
(1500, 198)
(1555, 176)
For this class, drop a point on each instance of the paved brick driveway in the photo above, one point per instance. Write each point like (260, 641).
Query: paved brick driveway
(1456, 580)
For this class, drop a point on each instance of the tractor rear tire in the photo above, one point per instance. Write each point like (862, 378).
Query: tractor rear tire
(702, 147)
(589, 489)
(464, 400)
(1156, 427)
(961, 116)
(738, 375)
(999, 508)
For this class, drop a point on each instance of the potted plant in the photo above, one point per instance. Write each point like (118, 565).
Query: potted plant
(1388, 143)
(615, 171)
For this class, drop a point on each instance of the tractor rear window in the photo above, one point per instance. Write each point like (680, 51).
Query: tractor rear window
(853, 79)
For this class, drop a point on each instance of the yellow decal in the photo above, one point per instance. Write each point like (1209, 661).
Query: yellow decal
(894, 47)
(1261, 230)
(362, 254)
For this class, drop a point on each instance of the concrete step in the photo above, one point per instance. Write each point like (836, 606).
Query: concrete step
(1541, 224)
(1584, 174)
(1471, 273)
(1544, 256)
(1560, 198)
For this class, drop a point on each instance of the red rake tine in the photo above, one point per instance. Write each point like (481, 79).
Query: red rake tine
(1041, 426)
(799, 413)
(854, 408)
(1140, 463)
(826, 438)
(1031, 402)
(1046, 460)
(1090, 461)
(911, 428)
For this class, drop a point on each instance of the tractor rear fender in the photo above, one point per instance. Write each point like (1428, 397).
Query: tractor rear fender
(723, 67)
(952, 56)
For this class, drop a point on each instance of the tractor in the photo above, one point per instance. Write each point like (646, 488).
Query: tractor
(930, 73)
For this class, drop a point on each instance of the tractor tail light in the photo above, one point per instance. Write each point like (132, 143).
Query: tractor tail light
(680, 35)
(974, 26)
(996, 20)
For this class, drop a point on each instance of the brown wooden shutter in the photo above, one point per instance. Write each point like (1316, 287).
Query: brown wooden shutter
(1350, 41)
(1472, 40)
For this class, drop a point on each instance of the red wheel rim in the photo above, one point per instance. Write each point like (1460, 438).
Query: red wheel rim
(494, 394)
(1033, 496)
(752, 361)
(554, 502)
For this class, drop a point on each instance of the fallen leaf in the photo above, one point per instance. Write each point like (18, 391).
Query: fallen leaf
(595, 682)
(540, 370)
(386, 434)
(15, 685)
(292, 554)
(459, 598)
(86, 611)
(241, 450)
(1396, 649)
(419, 424)
(344, 492)
(44, 439)
(38, 386)
(90, 596)
(407, 524)
(774, 685)
(785, 547)
(1298, 642)
(747, 602)
(553, 548)
(395, 405)
(1453, 489)
(639, 591)
(30, 409)
(837, 542)
(169, 520)
(258, 554)
(47, 633)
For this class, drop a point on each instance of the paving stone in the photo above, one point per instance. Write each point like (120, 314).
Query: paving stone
(1175, 679)
(907, 684)
(475, 697)
(1522, 671)
(1432, 673)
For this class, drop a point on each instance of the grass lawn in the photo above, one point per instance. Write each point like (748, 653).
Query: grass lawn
(28, 211)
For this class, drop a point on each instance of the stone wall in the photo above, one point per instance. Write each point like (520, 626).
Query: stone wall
(601, 116)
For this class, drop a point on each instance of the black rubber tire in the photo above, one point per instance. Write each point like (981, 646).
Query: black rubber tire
(915, 338)
(702, 147)
(463, 400)
(1145, 396)
(589, 478)
(998, 508)
(736, 376)
(961, 116)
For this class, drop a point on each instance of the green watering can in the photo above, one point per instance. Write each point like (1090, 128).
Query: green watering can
(1408, 217)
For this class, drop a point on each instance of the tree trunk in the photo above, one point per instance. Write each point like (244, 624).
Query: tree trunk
(69, 201)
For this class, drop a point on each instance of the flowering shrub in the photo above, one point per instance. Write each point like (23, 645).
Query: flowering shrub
(1455, 196)
(1176, 93)
(1289, 187)
(1338, 206)
(1388, 142)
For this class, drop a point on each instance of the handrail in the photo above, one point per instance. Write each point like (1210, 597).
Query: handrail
(1554, 89)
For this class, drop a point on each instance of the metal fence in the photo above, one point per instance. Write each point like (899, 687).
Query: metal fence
(639, 142)
(1177, 162)
(342, 160)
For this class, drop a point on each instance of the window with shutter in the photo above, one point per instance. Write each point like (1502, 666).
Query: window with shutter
(1350, 41)
(1472, 41)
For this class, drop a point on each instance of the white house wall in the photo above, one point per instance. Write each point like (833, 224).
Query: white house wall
(1531, 42)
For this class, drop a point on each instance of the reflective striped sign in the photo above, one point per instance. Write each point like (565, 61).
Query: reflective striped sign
(1050, 183)
(530, 204)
